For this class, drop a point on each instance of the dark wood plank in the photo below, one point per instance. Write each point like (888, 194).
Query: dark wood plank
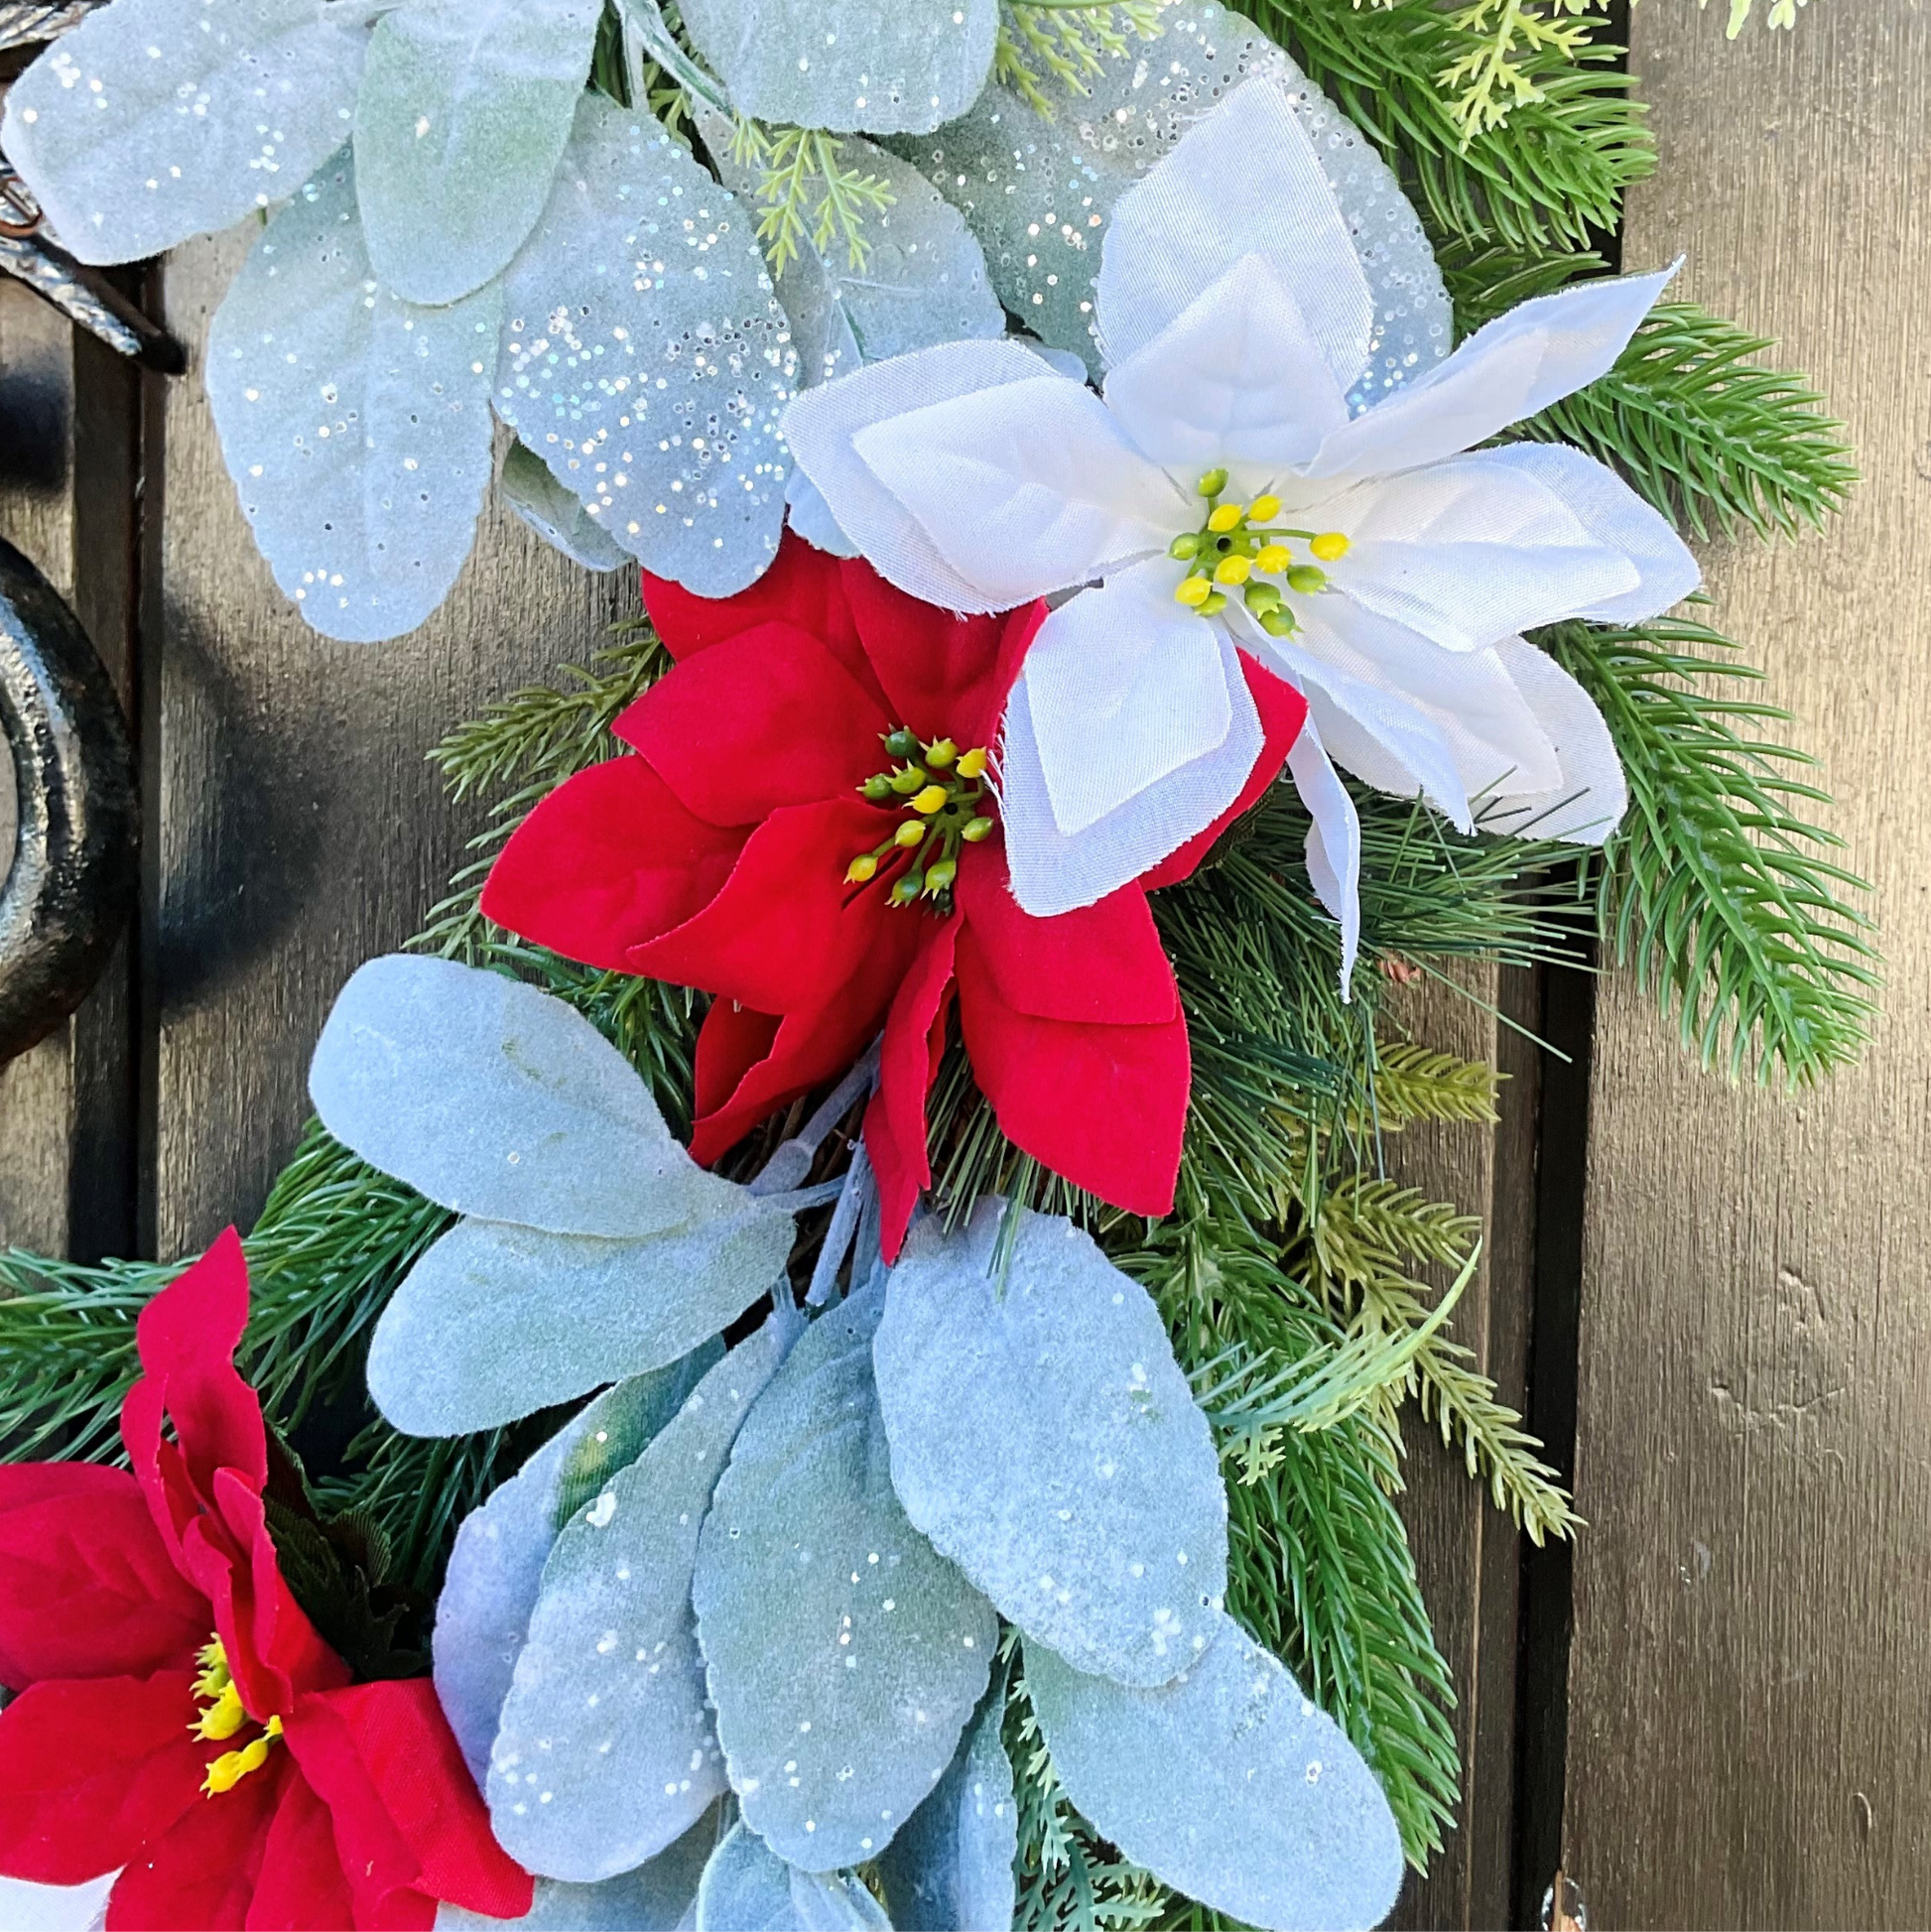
(1748, 1742)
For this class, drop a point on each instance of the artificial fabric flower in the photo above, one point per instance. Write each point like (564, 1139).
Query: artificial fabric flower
(1229, 499)
(178, 1715)
(809, 831)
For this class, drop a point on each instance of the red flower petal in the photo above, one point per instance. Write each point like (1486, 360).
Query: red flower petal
(1101, 965)
(1283, 710)
(92, 1770)
(785, 932)
(943, 674)
(895, 1122)
(1102, 1105)
(730, 1042)
(763, 719)
(803, 587)
(407, 1813)
(302, 1887)
(201, 1874)
(87, 1589)
(608, 860)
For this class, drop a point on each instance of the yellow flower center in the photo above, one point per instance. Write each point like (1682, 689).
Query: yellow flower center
(221, 1715)
(1239, 546)
(944, 789)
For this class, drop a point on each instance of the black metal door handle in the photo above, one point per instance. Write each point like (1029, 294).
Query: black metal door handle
(74, 867)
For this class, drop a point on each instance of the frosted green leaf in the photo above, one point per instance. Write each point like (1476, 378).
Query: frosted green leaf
(496, 1322)
(1039, 193)
(1226, 1784)
(155, 120)
(660, 1896)
(951, 1868)
(855, 67)
(489, 1590)
(605, 1753)
(1045, 1438)
(356, 428)
(554, 514)
(748, 1888)
(500, 1100)
(465, 110)
(843, 1653)
(646, 359)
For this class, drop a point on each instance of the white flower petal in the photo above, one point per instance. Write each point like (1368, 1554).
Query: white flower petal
(1536, 354)
(1053, 873)
(808, 513)
(29, 1907)
(1238, 377)
(1334, 841)
(1586, 804)
(1473, 550)
(820, 424)
(1026, 488)
(1244, 180)
(1123, 685)
(1614, 514)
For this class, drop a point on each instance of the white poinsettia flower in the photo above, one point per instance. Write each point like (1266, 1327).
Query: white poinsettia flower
(1220, 496)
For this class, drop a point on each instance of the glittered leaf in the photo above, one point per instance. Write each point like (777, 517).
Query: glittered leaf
(660, 1896)
(645, 361)
(1228, 1785)
(1045, 1438)
(155, 120)
(606, 1752)
(465, 110)
(870, 66)
(482, 1616)
(1039, 192)
(951, 1868)
(498, 1100)
(356, 428)
(554, 514)
(748, 1888)
(843, 1653)
(496, 1322)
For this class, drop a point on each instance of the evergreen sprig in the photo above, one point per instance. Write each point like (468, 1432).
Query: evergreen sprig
(1043, 44)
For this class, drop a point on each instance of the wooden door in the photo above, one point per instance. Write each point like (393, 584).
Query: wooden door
(1717, 1303)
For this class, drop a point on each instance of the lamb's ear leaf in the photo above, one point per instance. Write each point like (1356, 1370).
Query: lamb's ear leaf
(490, 1586)
(355, 426)
(464, 112)
(1045, 1438)
(646, 359)
(607, 1716)
(748, 1888)
(96, 124)
(498, 1100)
(1228, 1784)
(951, 1868)
(843, 1654)
(554, 514)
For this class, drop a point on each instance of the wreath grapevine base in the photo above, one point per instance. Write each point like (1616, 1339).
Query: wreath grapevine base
(858, 1234)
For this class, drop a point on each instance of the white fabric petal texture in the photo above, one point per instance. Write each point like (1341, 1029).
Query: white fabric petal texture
(1334, 841)
(1590, 795)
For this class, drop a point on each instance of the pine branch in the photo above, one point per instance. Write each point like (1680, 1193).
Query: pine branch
(1066, 42)
(1718, 891)
(1412, 1082)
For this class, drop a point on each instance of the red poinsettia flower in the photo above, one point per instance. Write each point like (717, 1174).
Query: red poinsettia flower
(179, 1717)
(808, 829)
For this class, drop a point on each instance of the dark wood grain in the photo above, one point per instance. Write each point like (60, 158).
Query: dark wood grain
(1748, 1743)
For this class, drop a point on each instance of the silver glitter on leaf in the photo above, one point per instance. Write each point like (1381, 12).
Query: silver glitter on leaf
(748, 1888)
(465, 110)
(951, 1868)
(1045, 1438)
(855, 67)
(1226, 1784)
(356, 426)
(606, 1752)
(556, 516)
(155, 120)
(646, 359)
(660, 1896)
(496, 1100)
(1039, 193)
(483, 1616)
(845, 1654)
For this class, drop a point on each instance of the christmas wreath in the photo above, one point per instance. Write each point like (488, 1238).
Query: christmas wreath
(857, 1236)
